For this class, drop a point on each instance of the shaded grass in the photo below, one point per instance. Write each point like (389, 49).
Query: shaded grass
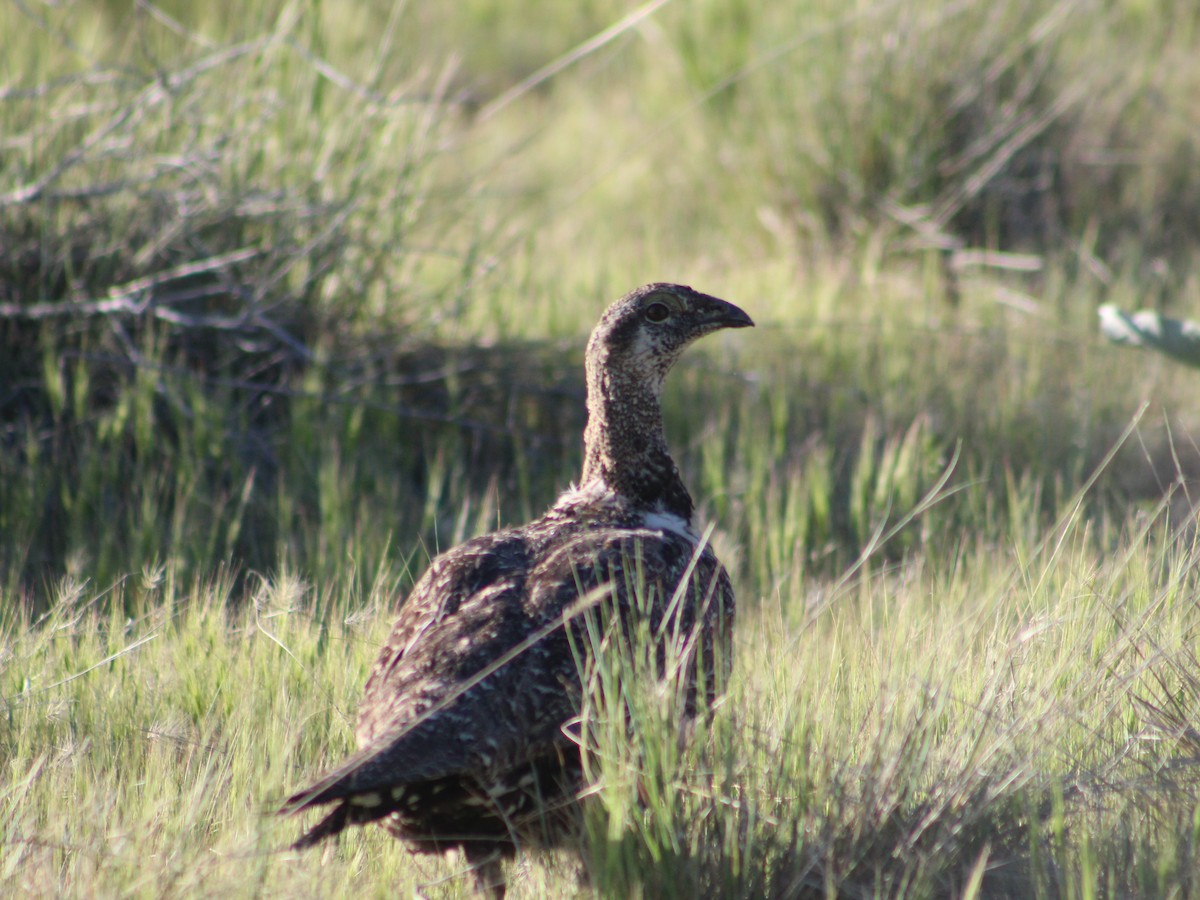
(438, 444)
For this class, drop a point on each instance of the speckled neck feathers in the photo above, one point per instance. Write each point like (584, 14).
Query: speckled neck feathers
(629, 354)
(624, 444)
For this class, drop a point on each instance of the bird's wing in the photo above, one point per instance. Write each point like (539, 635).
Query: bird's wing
(638, 570)
(478, 671)
(438, 688)
(666, 585)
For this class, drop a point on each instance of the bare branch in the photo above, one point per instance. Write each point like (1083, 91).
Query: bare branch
(133, 297)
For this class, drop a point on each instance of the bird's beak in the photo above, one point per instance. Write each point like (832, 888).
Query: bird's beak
(726, 315)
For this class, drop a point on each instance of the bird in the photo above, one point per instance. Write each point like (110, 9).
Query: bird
(464, 732)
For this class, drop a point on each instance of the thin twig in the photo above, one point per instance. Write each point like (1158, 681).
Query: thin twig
(134, 297)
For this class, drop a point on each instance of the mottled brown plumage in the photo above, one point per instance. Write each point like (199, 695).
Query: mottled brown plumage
(463, 729)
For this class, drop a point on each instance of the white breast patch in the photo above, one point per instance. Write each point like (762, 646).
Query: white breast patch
(665, 521)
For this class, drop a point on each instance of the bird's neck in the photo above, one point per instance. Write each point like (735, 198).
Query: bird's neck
(624, 443)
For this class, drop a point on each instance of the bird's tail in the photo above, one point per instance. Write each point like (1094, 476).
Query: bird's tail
(353, 807)
(332, 824)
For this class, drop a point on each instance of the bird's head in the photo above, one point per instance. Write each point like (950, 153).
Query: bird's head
(643, 333)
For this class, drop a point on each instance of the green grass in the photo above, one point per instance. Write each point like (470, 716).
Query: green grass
(294, 294)
(853, 752)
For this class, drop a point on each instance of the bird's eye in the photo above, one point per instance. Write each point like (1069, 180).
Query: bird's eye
(657, 312)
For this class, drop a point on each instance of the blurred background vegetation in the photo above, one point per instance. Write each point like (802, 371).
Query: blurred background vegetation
(295, 291)
(291, 280)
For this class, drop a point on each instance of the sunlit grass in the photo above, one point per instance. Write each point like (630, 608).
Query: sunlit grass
(882, 734)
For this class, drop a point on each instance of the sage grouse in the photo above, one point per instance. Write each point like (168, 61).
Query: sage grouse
(464, 732)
